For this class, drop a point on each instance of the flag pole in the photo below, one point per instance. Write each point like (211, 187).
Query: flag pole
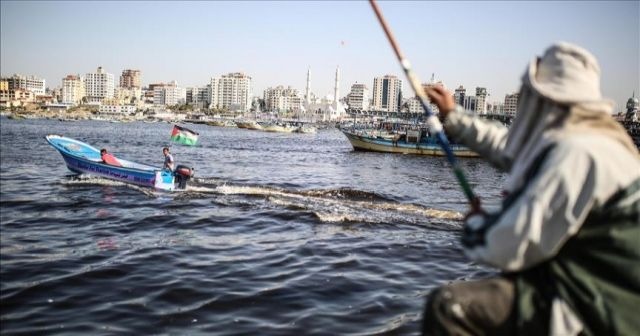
(432, 121)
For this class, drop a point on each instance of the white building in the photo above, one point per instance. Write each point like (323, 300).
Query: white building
(359, 97)
(117, 109)
(387, 93)
(469, 103)
(325, 108)
(281, 99)
(129, 96)
(481, 100)
(232, 92)
(169, 94)
(414, 106)
(495, 108)
(511, 104)
(99, 86)
(73, 90)
(459, 95)
(29, 83)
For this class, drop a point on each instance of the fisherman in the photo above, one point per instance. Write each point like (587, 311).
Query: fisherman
(168, 159)
(567, 236)
(108, 158)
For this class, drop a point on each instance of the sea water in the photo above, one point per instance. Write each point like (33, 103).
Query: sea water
(278, 234)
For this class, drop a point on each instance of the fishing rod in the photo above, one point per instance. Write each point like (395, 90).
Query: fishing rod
(432, 121)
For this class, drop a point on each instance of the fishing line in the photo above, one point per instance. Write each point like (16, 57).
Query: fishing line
(432, 121)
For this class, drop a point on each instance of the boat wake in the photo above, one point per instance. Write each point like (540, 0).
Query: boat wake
(342, 205)
(82, 179)
(338, 205)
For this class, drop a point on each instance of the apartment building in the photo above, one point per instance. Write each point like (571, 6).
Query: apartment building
(387, 93)
(73, 90)
(281, 99)
(29, 83)
(99, 85)
(359, 97)
(169, 94)
(481, 100)
(459, 95)
(130, 79)
(511, 103)
(232, 92)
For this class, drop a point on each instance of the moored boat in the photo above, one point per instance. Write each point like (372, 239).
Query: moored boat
(84, 158)
(412, 142)
(306, 129)
(277, 127)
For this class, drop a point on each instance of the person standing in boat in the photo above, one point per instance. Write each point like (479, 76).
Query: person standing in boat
(108, 158)
(168, 159)
(567, 237)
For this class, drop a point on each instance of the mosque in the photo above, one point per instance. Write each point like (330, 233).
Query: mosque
(328, 108)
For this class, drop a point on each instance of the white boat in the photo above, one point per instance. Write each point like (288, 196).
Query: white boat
(275, 127)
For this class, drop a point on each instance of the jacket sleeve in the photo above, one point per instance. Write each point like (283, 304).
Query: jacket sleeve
(484, 137)
(544, 215)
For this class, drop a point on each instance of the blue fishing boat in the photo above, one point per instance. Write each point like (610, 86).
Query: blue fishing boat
(83, 158)
(409, 142)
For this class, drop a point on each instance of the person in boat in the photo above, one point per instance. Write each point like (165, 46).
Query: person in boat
(168, 159)
(109, 159)
(567, 236)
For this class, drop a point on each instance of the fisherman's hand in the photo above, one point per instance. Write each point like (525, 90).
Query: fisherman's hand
(474, 230)
(475, 225)
(442, 98)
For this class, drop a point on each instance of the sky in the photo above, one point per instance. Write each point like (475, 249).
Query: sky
(470, 43)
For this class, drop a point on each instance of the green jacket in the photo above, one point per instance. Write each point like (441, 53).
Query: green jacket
(597, 273)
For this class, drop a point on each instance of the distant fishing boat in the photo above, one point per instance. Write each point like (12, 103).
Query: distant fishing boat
(277, 127)
(306, 129)
(84, 158)
(248, 124)
(411, 142)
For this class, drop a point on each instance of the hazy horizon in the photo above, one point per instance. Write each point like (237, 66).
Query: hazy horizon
(470, 43)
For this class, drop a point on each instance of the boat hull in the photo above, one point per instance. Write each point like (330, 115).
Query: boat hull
(377, 144)
(141, 178)
(82, 158)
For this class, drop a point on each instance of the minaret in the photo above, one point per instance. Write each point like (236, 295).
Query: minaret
(307, 95)
(336, 90)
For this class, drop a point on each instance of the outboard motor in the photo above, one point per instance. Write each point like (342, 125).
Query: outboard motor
(183, 174)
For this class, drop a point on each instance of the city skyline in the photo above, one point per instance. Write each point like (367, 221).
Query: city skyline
(474, 44)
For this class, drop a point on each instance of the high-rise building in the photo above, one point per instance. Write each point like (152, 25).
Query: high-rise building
(359, 97)
(387, 93)
(29, 83)
(232, 92)
(199, 96)
(469, 103)
(481, 100)
(130, 79)
(459, 95)
(511, 103)
(73, 90)
(99, 86)
(169, 94)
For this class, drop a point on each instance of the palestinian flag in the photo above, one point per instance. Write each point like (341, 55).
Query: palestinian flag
(184, 136)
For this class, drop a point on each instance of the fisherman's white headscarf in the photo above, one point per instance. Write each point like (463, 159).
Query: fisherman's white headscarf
(560, 97)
